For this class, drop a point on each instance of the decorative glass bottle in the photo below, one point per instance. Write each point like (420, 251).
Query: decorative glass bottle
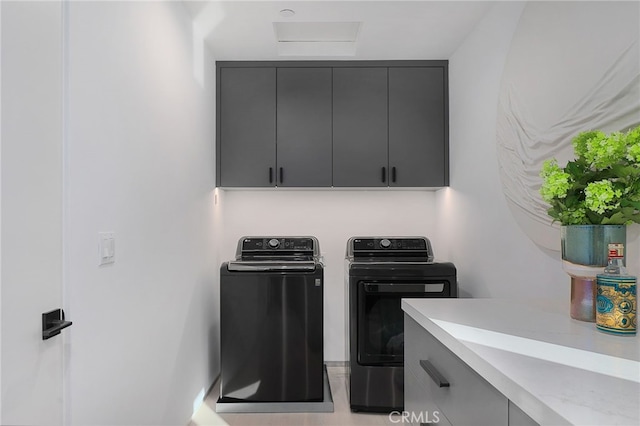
(616, 306)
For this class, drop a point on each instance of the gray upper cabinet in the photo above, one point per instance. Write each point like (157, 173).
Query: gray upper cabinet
(304, 127)
(360, 156)
(247, 127)
(332, 123)
(417, 112)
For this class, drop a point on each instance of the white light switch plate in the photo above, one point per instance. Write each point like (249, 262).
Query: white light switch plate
(106, 248)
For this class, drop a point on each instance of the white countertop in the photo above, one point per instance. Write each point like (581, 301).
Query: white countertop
(556, 369)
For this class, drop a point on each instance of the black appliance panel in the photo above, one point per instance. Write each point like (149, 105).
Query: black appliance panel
(381, 319)
(380, 244)
(277, 248)
(394, 249)
(271, 333)
(277, 244)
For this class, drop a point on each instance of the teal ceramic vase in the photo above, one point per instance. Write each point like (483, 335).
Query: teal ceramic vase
(584, 256)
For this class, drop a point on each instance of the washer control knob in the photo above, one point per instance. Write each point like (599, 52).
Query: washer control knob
(385, 243)
(274, 243)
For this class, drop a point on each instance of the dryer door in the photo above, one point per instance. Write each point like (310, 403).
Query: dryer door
(381, 320)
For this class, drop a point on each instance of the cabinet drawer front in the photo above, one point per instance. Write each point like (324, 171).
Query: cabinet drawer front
(517, 417)
(419, 406)
(469, 399)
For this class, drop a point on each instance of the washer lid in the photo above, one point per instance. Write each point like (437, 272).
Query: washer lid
(264, 266)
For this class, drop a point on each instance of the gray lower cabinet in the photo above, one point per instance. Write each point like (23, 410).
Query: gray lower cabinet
(247, 127)
(517, 417)
(304, 127)
(418, 154)
(360, 147)
(439, 386)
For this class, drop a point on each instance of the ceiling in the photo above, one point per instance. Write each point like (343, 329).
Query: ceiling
(246, 30)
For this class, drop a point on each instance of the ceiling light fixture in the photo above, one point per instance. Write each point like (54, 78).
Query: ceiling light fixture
(316, 38)
(287, 13)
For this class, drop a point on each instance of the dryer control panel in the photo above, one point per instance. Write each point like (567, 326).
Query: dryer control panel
(415, 249)
(389, 244)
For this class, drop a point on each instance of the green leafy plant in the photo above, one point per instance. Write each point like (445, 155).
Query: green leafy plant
(601, 186)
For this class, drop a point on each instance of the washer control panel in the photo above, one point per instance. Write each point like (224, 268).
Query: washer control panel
(277, 244)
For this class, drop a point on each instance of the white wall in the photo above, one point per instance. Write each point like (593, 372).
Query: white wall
(469, 223)
(0, 217)
(139, 162)
(332, 216)
(494, 257)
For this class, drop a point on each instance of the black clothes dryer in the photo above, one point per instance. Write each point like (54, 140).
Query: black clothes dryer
(382, 271)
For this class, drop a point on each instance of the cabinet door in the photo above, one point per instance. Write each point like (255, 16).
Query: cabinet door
(304, 127)
(417, 122)
(360, 155)
(247, 127)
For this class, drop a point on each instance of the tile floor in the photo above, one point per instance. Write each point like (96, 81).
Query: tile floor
(342, 415)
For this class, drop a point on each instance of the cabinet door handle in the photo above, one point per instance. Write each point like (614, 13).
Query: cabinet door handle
(384, 174)
(434, 374)
(270, 174)
(393, 174)
(281, 176)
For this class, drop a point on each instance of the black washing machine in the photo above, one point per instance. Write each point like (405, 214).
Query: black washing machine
(382, 271)
(271, 328)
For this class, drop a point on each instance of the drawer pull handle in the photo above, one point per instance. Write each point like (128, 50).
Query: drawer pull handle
(434, 374)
